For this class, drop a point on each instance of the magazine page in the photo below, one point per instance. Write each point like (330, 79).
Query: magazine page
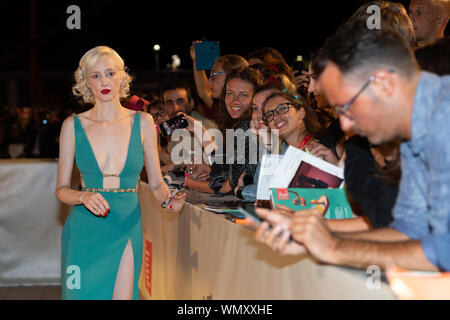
(332, 203)
(299, 169)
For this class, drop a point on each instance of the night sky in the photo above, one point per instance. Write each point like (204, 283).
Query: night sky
(133, 27)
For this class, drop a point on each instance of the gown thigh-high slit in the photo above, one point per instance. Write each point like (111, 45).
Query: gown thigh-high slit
(92, 246)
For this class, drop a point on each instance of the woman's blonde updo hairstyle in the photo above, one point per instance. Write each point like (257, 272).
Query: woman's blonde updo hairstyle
(81, 89)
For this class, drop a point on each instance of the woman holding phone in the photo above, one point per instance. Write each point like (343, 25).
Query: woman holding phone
(102, 236)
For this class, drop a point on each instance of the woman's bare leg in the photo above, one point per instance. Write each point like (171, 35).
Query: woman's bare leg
(123, 287)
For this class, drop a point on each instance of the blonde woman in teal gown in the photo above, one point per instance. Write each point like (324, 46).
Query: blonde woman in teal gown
(102, 237)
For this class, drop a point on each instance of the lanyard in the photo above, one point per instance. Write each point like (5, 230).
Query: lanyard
(305, 140)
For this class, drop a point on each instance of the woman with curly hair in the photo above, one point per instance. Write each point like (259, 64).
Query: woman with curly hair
(102, 237)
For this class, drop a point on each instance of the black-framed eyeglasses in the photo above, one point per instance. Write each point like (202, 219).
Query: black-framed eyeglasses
(341, 109)
(214, 74)
(279, 109)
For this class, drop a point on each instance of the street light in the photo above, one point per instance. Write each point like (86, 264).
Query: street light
(156, 49)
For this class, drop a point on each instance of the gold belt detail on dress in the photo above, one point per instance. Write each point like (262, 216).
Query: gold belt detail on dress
(111, 175)
(108, 190)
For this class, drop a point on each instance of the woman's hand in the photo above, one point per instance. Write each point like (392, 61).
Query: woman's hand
(275, 232)
(240, 183)
(301, 80)
(95, 203)
(191, 122)
(177, 203)
(254, 125)
(192, 49)
(201, 172)
(320, 151)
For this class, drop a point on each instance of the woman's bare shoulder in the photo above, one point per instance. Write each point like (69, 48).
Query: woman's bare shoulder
(68, 122)
(146, 120)
(67, 129)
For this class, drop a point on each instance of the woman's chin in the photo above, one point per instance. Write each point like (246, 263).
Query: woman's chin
(235, 115)
(106, 98)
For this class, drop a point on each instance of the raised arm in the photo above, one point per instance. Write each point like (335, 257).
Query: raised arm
(201, 81)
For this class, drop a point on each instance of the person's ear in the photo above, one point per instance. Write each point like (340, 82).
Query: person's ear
(385, 81)
(302, 112)
(441, 21)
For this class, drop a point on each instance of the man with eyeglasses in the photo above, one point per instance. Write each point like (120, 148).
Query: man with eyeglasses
(376, 86)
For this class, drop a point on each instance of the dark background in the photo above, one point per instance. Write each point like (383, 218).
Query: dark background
(133, 27)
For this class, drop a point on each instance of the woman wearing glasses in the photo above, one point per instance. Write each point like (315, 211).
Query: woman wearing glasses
(296, 122)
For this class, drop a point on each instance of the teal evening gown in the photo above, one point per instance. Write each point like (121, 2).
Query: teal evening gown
(92, 246)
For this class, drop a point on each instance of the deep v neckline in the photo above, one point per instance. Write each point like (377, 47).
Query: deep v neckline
(92, 149)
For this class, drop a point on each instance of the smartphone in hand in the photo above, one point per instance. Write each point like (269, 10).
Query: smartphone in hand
(168, 201)
(252, 217)
(169, 126)
(255, 221)
(206, 54)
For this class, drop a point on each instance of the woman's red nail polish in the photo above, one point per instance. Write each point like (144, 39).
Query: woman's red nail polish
(108, 210)
(170, 207)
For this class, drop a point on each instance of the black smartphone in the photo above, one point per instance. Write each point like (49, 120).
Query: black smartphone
(257, 220)
(169, 126)
(249, 215)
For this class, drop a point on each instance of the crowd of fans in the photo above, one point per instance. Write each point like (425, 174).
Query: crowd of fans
(263, 92)
(30, 132)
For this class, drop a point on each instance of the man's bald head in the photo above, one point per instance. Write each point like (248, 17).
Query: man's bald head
(429, 17)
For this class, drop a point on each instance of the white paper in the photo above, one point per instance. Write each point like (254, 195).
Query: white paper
(269, 163)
